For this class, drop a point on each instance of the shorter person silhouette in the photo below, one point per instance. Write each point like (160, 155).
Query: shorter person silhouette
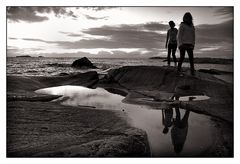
(171, 42)
(167, 119)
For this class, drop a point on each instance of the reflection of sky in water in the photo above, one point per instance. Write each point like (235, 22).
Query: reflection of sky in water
(193, 98)
(196, 139)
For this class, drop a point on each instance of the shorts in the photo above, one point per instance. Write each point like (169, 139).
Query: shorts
(172, 46)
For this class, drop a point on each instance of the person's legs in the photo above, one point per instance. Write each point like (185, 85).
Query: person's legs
(174, 56)
(191, 60)
(169, 53)
(184, 120)
(178, 116)
(182, 55)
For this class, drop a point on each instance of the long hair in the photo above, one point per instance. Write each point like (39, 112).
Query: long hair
(188, 19)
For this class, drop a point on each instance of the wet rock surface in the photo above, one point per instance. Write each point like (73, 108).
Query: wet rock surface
(162, 83)
(39, 128)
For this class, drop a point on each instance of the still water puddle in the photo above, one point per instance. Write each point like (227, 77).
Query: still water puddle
(171, 131)
(193, 98)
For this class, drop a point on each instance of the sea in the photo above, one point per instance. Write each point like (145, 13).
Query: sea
(49, 66)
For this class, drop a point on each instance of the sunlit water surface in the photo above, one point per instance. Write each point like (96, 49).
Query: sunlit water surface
(171, 132)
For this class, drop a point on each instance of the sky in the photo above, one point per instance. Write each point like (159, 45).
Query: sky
(113, 32)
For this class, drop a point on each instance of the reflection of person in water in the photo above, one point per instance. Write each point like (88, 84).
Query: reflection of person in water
(167, 119)
(179, 130)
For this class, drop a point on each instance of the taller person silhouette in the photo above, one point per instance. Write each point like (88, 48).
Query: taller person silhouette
(186, 41)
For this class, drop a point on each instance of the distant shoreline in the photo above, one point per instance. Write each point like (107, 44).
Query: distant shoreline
(23, 56)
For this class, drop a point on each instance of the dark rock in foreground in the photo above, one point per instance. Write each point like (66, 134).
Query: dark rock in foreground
(214, 71)
(83, 63)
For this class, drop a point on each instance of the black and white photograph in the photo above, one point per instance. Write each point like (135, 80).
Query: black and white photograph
(120, 81)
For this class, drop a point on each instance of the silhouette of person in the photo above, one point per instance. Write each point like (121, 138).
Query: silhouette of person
(179, 129)
(186, 41)
(171, 42)
(167, 119)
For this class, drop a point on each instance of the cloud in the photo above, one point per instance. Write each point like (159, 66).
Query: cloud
(217, 33)
(226, 12)
(140, 36)
(100, 8)
(71, 34)
(13, 38)
(214, 39)
(38, 40)
(95, 18)
(31, 14)
(27, 14)
(127, 36)
(118, 37)
(155, 26)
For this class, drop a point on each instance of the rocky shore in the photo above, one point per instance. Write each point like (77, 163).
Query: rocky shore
(205, 60)
(38, 127)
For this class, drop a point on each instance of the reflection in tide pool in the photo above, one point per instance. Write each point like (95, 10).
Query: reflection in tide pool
(82, 96)
(170, 131)
(193, 98)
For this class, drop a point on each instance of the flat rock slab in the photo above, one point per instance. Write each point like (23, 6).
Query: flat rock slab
(44, 129)
(39, 128)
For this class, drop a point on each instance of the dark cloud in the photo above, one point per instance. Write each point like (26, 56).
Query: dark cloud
(144, 36)
(216, 33)
(124, 36)
(27, 14)
(95, 18)
(30, 14)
